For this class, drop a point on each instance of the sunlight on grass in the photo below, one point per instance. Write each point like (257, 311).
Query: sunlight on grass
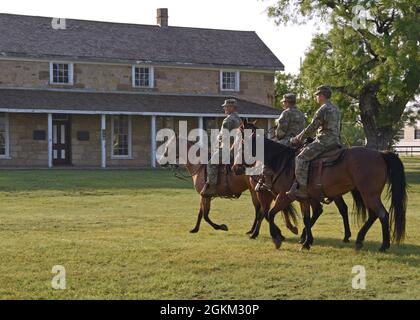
(124, 235)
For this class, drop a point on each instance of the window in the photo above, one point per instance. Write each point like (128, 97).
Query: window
(121, 137)
(416, 133)
(61, 73)
(229, 80)
(400, 135)
(143, 77)
(4, 135)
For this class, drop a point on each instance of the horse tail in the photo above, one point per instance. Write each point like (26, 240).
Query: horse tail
(291, 212)
(397, 192)
(359, 206)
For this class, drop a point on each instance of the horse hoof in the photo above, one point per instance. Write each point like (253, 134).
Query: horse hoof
(223, 227)
(253, 237)
(194, 231)
(282, 238)
(359, 245)
(294, 230)
(277, 242)
(305, 247)
(346, 240)
(302, 240)
(249, 232)
(383, 248)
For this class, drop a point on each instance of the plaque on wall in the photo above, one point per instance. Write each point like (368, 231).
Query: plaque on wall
(83, 135)
(40, 135)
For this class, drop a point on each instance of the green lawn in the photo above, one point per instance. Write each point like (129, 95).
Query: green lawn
(125, 235)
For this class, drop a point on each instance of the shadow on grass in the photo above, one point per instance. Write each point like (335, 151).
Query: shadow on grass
(66, 180)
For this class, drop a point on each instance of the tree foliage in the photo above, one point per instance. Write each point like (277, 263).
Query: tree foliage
(370, 58)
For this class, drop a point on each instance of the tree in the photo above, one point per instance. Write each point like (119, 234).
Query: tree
(351, 131)
(370, 57)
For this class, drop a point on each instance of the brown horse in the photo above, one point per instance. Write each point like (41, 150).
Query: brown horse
(362, 171)
(233, 185)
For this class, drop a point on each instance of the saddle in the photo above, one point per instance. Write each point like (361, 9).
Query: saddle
(330, 157)
(223, 172)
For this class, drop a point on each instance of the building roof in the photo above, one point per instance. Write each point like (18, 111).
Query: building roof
(28, 36)
(42, 101)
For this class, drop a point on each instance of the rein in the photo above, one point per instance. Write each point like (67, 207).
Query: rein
(185, 177)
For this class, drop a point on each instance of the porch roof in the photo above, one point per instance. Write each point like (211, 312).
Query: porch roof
(79, 102)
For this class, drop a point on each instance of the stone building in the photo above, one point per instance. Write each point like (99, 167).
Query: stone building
(93, 94)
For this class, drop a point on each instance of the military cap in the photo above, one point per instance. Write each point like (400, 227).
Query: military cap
(289, 97)
(230, 102)
(324, 90)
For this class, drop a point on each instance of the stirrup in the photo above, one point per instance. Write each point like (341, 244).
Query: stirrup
(261, 186)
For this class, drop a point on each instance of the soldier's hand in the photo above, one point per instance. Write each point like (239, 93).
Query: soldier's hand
(294, 141)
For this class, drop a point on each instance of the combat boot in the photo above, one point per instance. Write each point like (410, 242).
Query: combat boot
(297, 192)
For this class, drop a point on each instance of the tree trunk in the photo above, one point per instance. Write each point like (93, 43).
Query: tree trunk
(377, 137)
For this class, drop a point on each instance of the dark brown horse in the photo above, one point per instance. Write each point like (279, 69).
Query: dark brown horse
(232, 185)
(362, 171)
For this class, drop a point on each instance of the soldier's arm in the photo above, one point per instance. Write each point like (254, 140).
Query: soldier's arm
(310, 130)
(226, 126)
(282, 126)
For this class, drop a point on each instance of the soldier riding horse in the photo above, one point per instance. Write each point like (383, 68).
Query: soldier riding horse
(362, 171)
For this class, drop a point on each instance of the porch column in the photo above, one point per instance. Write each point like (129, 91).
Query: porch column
(103, 141)
(153, 142)
(201, 127)
(50, 141)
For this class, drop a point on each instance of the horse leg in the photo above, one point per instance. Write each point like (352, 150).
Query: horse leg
(257, 228)
(197, 225)
(365, 228)
(376, 210)
(344, 212)
(206, 211)
(293, 229)
(265, 202)
(317, 211)
(386, 237)
(257, 207)
(282, 201)
(306, 211)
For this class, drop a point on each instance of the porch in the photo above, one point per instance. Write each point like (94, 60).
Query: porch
(99, 130)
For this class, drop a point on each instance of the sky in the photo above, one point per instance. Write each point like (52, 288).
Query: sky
(287, 43)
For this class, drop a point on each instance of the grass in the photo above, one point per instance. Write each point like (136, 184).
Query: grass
(124, 235)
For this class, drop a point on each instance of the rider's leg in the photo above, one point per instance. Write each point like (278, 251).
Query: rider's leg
(210, 188)
(303, 160)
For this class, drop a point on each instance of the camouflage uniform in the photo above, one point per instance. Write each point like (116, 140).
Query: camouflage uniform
(231, 122)
(326, 122)
(290, 123)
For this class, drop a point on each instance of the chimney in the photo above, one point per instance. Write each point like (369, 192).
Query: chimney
(162, 17)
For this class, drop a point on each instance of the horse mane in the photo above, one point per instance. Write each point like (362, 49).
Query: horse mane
(278, 157)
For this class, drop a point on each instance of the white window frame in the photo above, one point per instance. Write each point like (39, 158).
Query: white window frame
(130, 140)
(415, 131)
(7, 130)
(71, 73)
(237, 80)
(151, 76)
